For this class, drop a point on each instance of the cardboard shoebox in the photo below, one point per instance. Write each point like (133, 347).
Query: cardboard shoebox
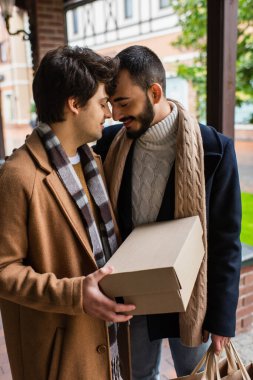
(156, 266)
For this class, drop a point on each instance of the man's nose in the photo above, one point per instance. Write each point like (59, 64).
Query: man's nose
(116, 114)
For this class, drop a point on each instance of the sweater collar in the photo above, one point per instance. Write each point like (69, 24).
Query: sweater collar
(162, 132)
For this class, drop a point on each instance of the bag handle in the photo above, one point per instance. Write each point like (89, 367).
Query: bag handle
(231, 360)
(202, 361)
(212, 370)
(211, 362)
(240, 364)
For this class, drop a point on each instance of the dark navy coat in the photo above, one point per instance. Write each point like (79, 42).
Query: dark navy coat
(223, 210)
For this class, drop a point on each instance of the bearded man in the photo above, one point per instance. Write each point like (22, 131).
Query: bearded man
(160, 164)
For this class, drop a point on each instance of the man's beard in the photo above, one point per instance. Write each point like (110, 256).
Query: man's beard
(144, 118)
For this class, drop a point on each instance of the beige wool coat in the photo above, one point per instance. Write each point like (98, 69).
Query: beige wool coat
(44, 255)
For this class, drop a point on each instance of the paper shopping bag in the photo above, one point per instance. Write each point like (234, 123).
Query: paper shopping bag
(249, 369)
(229, 368)
(239, 371)
(209, 372)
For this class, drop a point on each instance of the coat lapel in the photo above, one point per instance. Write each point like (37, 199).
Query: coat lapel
(69, 209)
(61, 195)
(213, 151)
(211, 161)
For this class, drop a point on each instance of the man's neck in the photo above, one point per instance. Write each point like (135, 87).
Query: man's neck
(67, 139)
(162, 110)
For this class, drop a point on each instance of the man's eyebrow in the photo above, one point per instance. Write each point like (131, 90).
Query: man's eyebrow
(120, 98)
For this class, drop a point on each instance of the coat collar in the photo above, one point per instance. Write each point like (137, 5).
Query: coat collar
(35, 147)
(213, 150)
(38, 152)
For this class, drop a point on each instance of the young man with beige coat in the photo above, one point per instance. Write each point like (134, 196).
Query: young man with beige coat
(57, 230)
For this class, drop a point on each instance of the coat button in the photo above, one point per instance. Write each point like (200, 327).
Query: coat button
(101, 349)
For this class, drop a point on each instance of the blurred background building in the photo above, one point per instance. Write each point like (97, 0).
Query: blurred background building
(108, 27)
(15, 85)
(105, 26)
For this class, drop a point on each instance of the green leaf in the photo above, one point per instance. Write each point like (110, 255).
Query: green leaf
(192, 16)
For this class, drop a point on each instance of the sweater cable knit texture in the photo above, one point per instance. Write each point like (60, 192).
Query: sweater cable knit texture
(154, 155)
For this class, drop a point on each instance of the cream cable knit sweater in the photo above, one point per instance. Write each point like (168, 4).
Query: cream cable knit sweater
(153, 158)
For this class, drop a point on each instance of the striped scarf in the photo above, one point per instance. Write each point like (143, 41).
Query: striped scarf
(104, 240)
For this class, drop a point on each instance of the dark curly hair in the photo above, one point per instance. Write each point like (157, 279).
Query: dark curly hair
(69, 72)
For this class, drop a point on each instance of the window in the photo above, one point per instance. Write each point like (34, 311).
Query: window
(3, 52)
(9, 106)
(75, 21)
(164, 4)
(128, 8)
(178, 88)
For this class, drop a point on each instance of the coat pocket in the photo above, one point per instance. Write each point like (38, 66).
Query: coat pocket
(56, 354)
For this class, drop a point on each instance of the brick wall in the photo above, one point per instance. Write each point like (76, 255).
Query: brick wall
(50, 25)
(47, 24)
(245, 304)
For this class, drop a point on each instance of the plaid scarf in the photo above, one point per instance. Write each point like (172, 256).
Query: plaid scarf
(104, 242)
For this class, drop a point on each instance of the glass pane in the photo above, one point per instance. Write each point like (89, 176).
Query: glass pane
(164, 3)
(75, 21)
(128, 8)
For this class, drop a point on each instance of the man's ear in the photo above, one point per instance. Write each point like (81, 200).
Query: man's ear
(73, 105)
(155, 92)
